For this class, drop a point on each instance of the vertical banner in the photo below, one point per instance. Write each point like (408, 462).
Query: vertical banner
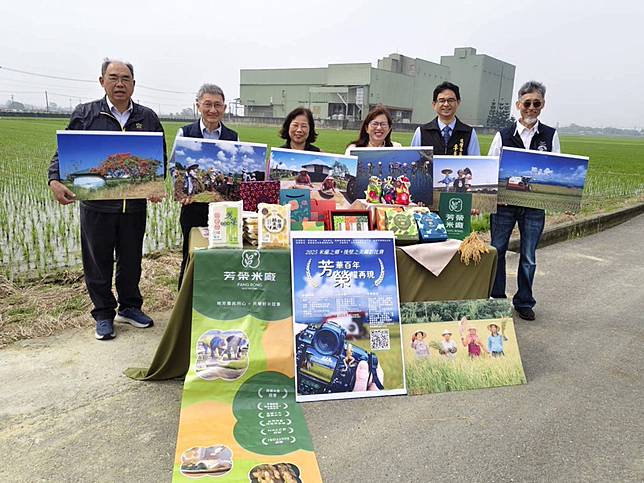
(455, 211)
(346, 315)
(239, 419)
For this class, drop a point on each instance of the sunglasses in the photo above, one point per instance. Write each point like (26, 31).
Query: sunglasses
(532, 103)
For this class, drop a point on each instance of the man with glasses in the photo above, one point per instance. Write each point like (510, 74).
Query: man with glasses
(446, 133)
(526, 133)
(112, 227)
(212, 106)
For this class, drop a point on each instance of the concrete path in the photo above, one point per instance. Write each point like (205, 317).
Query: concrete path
(67, 413)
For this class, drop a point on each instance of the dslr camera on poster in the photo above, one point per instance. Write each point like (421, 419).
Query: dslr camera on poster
(327, 363)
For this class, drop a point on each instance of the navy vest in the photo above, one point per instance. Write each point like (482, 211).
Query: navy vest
(194, 131)
(431, 135)
(542, 140)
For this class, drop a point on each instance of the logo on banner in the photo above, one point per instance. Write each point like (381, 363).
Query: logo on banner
(250, 259)
(456, 205)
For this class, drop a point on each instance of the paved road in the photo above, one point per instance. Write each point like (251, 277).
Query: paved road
(67, 414)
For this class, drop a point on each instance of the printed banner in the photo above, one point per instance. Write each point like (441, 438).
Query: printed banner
(460, 344)
(541, 179)
(346, 315)
(454, 210)
(99, 165)
(239, 419)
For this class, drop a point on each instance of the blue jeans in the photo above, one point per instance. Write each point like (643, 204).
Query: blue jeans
(531, 222)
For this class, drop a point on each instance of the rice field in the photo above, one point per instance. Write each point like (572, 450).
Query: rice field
(38, 236)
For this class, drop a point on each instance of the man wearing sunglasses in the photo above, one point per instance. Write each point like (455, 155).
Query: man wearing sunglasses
(526, 133)
(446, 133)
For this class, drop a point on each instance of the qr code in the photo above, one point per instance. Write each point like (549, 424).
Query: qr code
(379, 339)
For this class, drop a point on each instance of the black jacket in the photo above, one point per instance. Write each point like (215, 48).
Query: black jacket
(431, 135)
(194, 131)
(307, 147)
(96, 116)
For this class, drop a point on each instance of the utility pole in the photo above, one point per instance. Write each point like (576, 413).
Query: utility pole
(46, 102)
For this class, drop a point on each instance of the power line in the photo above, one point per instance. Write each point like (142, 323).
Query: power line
(47, 76)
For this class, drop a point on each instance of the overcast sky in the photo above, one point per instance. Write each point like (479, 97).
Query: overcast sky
(589, 54)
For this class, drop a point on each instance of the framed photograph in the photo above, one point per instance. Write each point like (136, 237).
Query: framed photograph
(541, 179)
(209, 170)
(477, 175)
(349, 220)
(100, 165)
(394, 175)
(329, 177)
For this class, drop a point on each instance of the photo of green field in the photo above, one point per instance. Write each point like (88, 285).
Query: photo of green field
(440, 370)
(543, 197)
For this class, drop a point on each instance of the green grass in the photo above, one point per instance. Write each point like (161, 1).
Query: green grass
(38, 235)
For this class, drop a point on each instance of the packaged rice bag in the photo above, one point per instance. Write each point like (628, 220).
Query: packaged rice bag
(381, 216)
(274, 225)
(225, 224)
(403, 224)
(430, 227)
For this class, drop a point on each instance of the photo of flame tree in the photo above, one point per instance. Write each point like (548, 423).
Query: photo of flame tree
(127, 165)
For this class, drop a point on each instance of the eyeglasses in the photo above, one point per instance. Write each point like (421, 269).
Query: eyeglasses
(119, 79)
(208, 105)
(449, 101)
(536, 103)
(375, 124)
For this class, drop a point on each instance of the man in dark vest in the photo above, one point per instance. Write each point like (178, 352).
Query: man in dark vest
(212, 106)
(526, 133)
(111, 227)
(446, 133)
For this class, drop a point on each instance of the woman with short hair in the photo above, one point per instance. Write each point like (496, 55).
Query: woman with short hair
(298, 130)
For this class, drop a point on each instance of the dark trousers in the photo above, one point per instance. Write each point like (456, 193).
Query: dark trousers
(104, 238)
(531, 222)
(192, 215)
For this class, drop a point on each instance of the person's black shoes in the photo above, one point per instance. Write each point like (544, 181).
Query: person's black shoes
(525, 313)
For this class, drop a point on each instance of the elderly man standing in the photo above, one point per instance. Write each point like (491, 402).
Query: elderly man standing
(446, 133)
(526, 133)
(114, 227)
(212, 106)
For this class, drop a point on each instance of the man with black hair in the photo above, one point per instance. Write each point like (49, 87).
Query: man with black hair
(527, 133)
(446, 133)
(112, 229)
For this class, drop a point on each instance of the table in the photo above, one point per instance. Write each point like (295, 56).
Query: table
(415, 284)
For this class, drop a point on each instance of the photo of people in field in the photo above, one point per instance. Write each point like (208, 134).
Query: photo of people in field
(98, 165)
(540, 179)
(207, 170)
(327, 176)
(478, 175)
(222, 355)
(459, 345)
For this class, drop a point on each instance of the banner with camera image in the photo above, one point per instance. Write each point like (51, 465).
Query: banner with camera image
(239, 419)
(346, 315)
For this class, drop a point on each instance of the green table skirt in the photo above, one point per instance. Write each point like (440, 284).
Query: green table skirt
(415, 284)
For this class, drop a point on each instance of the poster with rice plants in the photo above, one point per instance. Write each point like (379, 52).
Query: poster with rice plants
(459, 345)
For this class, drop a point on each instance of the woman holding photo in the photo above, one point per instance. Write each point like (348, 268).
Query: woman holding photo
(375, 131)
(298, 130)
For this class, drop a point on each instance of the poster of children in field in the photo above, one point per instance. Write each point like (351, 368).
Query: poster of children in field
(207, 170)
(459, 345)
(540, 179)
(327, 176)
(478, 175)
(98, 165)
